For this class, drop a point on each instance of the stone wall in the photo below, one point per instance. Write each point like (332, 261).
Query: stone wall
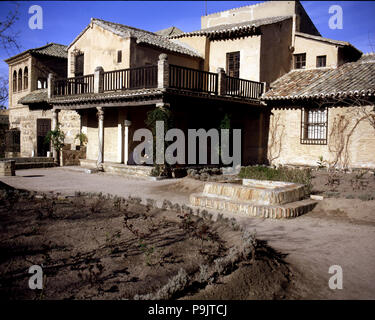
(347, 130)
(26, 120)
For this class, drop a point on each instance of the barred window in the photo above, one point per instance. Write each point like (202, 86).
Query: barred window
(300, 61)
(233, 64)
(314, 124)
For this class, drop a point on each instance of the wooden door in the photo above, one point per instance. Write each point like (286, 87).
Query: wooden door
(42, 128)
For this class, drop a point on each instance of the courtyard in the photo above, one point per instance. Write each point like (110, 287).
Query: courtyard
(339, 231)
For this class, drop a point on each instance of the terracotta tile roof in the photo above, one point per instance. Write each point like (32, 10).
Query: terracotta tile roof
(171, 31)
(145, 37)
(352, 78)
(105, 95)
(36, 96)
(247, 26)
(50, 49)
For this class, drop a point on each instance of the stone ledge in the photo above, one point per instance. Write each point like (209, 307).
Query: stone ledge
(285, 211)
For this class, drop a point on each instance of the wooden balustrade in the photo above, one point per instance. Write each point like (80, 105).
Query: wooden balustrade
(132, 78)
(243, 88)
(74, 85)
(192, 79)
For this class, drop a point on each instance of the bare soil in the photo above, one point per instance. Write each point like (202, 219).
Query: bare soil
(354, 185)
(96, 247)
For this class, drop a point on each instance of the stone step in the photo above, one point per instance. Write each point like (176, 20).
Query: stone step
(118, 168)
(278, 211)
(261, 192)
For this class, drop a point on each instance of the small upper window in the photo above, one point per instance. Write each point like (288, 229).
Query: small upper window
(119, 56)
(300, 61)
(20, 80)
(25, 78)
(14, 81)
(321, 61)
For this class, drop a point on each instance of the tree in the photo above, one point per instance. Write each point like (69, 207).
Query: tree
(8, 37)
(8, 41)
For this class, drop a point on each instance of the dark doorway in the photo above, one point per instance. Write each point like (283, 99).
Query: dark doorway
(43, 126)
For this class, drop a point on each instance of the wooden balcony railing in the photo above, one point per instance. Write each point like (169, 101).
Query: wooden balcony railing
(74, 85)
(243, 88)
(132, 78)
(147, 77)
(192, 79)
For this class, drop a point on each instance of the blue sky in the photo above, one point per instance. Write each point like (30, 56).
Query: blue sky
(64, 20)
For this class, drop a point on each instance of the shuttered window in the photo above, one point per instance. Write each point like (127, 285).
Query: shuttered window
(78, 68)
(233, 64)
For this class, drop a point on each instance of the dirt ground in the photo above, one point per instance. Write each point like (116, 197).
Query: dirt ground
(95, 247)
(339, 231)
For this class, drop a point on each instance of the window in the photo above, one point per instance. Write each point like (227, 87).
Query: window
(233, 64)
(78, 65)
(42, 83)
(119, 56)
(25, 78)
(321, 61)
(314, 123)
(300, 61)
(14, 81)
(19, 80)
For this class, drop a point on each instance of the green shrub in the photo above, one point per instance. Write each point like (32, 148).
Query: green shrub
(301, 176)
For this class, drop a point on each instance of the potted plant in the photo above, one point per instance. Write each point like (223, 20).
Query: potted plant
(56, 137)
(82, 140)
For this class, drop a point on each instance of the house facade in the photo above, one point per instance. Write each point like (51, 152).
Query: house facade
(30, 115)
(259, 65)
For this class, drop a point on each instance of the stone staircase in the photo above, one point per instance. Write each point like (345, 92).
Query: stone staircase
(258, 198)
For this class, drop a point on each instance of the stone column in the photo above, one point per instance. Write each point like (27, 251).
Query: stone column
(54, 127)
(163, 71)
(100, 113)
(98, 80)
(221, 79)
(50, 85)
(127, 124)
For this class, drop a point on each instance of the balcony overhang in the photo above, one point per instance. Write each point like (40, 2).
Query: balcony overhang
(141, 98)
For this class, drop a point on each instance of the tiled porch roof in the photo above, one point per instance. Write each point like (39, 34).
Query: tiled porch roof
(105, 96)
(350, 79)
(36, 96)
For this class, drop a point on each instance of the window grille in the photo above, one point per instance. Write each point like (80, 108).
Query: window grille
(314, 126)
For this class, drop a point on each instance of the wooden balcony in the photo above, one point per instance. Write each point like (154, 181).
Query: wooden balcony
(149, 77)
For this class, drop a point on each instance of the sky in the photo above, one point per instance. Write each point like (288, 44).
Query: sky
(64, 20)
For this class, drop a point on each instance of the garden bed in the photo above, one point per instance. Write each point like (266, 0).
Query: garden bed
(92, 246)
